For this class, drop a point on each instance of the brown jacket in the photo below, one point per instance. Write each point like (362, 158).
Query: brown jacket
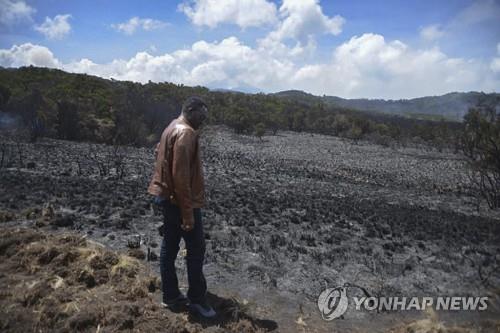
(178, 173)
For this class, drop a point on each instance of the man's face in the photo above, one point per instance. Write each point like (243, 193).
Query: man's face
(198, 117)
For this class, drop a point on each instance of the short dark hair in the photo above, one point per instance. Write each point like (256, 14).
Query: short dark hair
(193, 103)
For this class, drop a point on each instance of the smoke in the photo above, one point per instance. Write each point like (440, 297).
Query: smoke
(8, 121)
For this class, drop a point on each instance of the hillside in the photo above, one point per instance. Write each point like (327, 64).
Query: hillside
(79, 107)
(452, 106)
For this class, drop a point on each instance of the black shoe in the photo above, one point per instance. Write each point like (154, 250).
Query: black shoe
(175, 302)
(203, 309)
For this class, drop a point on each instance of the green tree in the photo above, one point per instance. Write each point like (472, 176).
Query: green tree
(341, 124)
(354, 133)
(260, 130)
(382, 129)
(298, 123)
(239, 119)
(276, 120)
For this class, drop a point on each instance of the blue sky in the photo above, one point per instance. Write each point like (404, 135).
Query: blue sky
(375, 49)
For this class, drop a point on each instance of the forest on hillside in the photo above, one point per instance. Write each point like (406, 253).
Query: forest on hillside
(80, 107)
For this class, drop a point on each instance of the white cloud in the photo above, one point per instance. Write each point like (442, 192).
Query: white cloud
(244, 13)
(369, 66)
(300, 21)
(431, 32)
(56, 28)
(303, 19)
(12, 12)
(228, 63)
(364, 66)
(28, 54)
(131, 26)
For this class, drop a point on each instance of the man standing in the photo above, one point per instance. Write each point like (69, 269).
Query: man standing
(178, 186)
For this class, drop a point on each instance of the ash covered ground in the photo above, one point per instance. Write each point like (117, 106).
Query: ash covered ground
(286, 217)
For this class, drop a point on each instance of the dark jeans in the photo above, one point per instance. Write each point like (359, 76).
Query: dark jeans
(195, 246)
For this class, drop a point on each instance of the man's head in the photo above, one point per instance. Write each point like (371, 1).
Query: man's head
(195, 111)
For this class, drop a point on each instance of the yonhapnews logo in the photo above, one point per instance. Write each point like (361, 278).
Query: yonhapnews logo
(333, 303)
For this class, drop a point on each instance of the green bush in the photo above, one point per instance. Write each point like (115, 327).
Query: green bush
(260, 130)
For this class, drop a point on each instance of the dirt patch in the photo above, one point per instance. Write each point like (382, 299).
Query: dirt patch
(64, 283)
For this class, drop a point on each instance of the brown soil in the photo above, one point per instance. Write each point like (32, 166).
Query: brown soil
(65, 283)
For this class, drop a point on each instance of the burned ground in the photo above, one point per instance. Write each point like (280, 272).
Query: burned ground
(285, 217)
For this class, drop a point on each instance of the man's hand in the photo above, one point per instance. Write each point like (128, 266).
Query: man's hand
(187, 226)
(156, 150)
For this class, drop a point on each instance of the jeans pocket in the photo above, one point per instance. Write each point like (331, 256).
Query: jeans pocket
(159, 201)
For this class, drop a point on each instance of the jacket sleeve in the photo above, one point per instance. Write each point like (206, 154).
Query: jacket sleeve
(183, 151)
(157, 146)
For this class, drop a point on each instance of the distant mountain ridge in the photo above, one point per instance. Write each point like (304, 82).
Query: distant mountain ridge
(452, 106)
